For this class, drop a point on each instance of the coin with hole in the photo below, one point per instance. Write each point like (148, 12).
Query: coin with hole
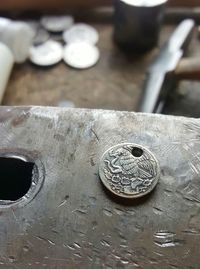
(81, 55)
(81, 32)
(129, 170)
(56, 24)
(47, 54)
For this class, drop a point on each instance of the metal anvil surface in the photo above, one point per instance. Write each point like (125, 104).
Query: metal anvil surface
(73, 221)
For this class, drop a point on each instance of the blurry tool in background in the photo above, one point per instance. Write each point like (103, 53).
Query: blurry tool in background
(168, 68)
(7, 62)
(18, 36)
(137, 23)
(199, 31)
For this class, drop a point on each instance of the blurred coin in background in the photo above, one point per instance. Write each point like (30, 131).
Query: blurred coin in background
(34, 24)
(81, 55)
(41, 36)
(47, 54)
(66, 103)
(56, 24)
(81, 32)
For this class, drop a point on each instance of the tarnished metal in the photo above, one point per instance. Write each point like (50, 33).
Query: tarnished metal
(137, 24)
(73, 221)
(129, 170)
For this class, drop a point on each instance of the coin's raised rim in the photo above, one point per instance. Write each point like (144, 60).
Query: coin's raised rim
(50, 63)
(44, 21)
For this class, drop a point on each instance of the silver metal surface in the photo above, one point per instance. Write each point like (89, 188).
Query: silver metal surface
(81, 55)
(73, 221)
(46, 54)
(160, 79)
(129, 170)
(145, 3)
(81, 32)
(40, 37)
(66, 103)
(137, 24)
(56, 24)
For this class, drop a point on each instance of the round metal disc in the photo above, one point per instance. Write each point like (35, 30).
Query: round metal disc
(33, 24)
(57, 24)
(81, 55)
(47, 54)
(66, 103)
(40, 37)
(129, 170)
(81, 32)
(145, 3)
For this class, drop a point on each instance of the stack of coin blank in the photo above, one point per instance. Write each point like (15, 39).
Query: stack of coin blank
(80, 39)
(80, 51)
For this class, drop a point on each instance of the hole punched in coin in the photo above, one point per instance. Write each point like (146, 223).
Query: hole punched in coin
(20, 178)
(137, 152)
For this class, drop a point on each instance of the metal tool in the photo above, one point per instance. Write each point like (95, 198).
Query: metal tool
(168, 68)
(73, 221)
(137, 23)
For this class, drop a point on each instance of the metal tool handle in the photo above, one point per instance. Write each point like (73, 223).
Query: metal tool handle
(182, 35)
(160, 79)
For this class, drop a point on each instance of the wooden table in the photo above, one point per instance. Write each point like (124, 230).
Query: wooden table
(114, 83)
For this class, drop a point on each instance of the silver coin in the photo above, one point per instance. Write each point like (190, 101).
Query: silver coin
(129, 170)
(66, 103)
(33, 24)
(81, 32)
(81, 55)
(47, 54)
(57, 24)
(40, 37)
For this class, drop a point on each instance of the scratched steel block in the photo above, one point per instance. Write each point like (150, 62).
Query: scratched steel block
(71, 221)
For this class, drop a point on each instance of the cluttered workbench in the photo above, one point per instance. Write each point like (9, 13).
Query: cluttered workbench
(100, 188)
(115, 82)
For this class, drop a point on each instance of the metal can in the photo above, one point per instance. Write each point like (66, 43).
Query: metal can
(137, 23)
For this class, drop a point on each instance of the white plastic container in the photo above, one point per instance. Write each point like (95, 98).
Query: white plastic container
(18, 36)
(6, 65)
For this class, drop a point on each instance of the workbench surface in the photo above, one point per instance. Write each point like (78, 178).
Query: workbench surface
(114, 83)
